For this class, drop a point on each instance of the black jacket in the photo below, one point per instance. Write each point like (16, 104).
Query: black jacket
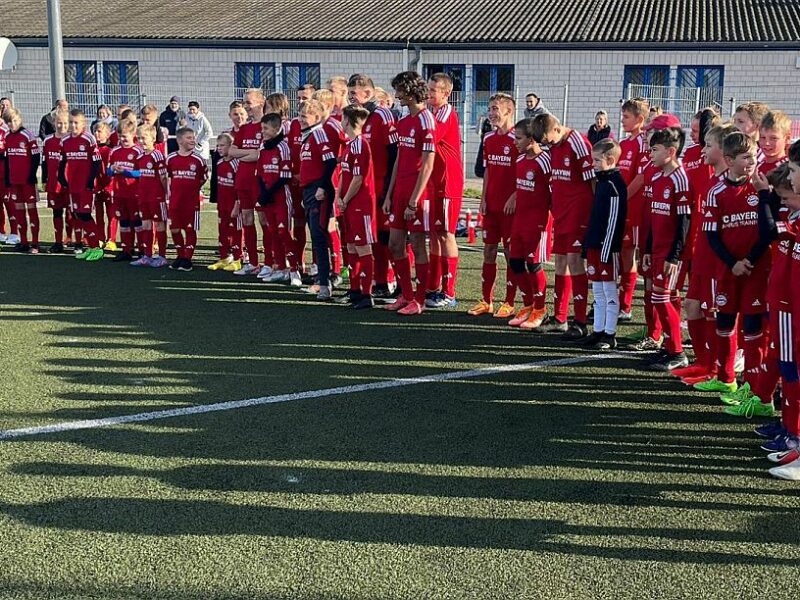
(609, 209)
(595, 134)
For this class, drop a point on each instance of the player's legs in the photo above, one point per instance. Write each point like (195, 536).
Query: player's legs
(492, 236)
(402, 266)
(580, 292)
(318, 216)
(628, 278)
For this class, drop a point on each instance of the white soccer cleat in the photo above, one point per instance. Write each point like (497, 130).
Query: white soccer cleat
(264, 272)
(277, 277)
(790, 472)
(247, 269)
(295, 280)
(13, 240)
(313, 270)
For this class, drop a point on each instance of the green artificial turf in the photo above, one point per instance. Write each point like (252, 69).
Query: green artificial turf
(593, 480)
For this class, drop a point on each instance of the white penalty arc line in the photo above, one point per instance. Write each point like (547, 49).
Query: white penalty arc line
(337, 391)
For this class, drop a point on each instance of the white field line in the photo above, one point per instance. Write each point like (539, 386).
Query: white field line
(337, 391)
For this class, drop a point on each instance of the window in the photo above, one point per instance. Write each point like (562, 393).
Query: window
(456, 73)
(295, 75)
(254, 75)
(120, 84)
(486, 81)
(706, 85)
(81, 85)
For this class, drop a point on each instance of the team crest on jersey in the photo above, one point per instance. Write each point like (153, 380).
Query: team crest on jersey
(368, 128)
(149, 165)
(22, 145)
(274, 160)
(529, 175)
(752, 200)
(630, 154)
(130, 156)
(666, 194)
(590, 270)
(193, 167)
(721, 299)
(566, 161)
(82, 148)
(412, 132)
(506, 150)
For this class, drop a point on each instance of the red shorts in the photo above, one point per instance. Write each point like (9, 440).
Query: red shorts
(570, 241)
(631, 237)
(184, 215)
(446, 213)
(703, 289)
(529, 243)
(745, 295)
(360, 226)
(82, 201)
(102, 197)
(783, 333)
(22, 194)
(279, 213)
(224, 210)
(421, 222)
(597, 270)
(497, 227)
(126, 208)
(58, 200)
(298, 212)
(153, 210)
(672, 283)
(247, 199)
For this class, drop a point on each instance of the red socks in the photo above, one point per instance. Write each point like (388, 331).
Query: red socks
(539, 288)
(697, 331)
(449, 275)
(367, 273)
(525, 283)
(353, 265)
(147, 241)
(381, 261)
(561, 295)
(402, 267)
(58, 228)
(671, 319)
(22, 225)
(628, 289)
(161, 238)
(580, 296)
(422, 278)
(336, 251)
(753, 356)
(177, 239)
(488, 276)
(651, 318)
(790, 413)
(511, 287)
(251, 243)
(726, 341)
(434, 281)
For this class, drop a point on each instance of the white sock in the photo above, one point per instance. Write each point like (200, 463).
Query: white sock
(599, 306)
(612, 306)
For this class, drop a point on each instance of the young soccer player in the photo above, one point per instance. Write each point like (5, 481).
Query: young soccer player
(571, 184)
(275, 201)
(633, 157)
(22, 162)
(603, 243)
(79, 168)
(773, 140)
(338, 88)
(448, 176)
(57, 197)
(294, 138)
(229, 223)
(246, 147)
(122, 162)
(408, 199)
(103, 202)
(187, 173)
(150, 117)
(531, 214)
(317, 165)
(357, 203)
(499, 192)
(151, 191)
(380, 132)
(733, 224)
(4, 208)
(665, 247)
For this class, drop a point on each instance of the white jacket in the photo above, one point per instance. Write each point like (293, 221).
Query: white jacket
(202, 133)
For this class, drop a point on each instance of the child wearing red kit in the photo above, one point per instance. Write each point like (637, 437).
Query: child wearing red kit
(22, 157)
(223, 193)
(151, 191)
(57, 196)
(122, 162)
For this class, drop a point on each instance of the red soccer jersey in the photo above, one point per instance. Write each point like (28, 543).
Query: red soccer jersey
(671, 198)
(338, 141)
(732, 210)
(571, 175)
(21, 147)
(81, 154)
(781, 269)
(448, 170)
(704, 260)
(152, 168)
(533, 190)
(274, 164)
(699, 175)
(357, 161)
(765, 168)
(295, 140)
(51, 158)
(416, 134)
(187, 174)
(499, 158)
(128, 159)
(316, 150)
(3, 132)
(632, 151)
(380, 132)
(226, 176)
(103, 181)
(247, 138)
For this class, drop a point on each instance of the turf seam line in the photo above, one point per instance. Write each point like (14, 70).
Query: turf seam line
(337, 391)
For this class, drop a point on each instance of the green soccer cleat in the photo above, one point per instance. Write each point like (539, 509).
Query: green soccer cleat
(741, 395)
(751, 407)
(715, 385)
(83, 254)
(94, 255)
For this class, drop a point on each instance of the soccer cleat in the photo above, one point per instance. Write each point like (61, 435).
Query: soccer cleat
(742, 394)
(715, 385)
(345, 273)
(157, 262)
(363, 302)
(12, 240)
(412, 308)
(752, 407)
(34, 249)
(349, 297)
(247, 269)
(175, 264)
(295, 280)
(505, 311)
(782, 443)
(624, 317)
(186, 265)
(575, 332)
(534, 320)
(3, 238)
(553, 325)
(520, 317)
(111, 246)
(669, 362)
(313, 270)
(83, 254)
(435, 300)
(398, 304)
(646, 344)
(22, 248)
(141, 262)
(265, 272)
(590, 340)
(94, 255)
(690, 381)
(790, 472)
(312, 289)
(692, 370)
(233, 266)
(57, 248)
(122, 257)
(336, 280)
(450, 302)
(481, 308)
(381, 291)
(770, 430)
(220, 264)
(609, 342)
(738, 363)
(324, 294)
(784, 458)
(276, 277)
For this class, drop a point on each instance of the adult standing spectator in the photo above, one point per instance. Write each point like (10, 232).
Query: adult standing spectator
(104, 115)
(5, 104)
(484, 127)
(534, 106)
(171, 120)
(46, 126)
(198, 122)
(600, 130)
